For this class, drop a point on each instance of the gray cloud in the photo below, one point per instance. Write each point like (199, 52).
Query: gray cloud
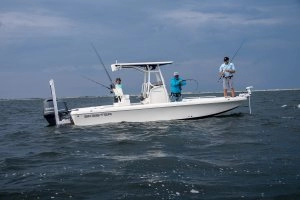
(52, 39)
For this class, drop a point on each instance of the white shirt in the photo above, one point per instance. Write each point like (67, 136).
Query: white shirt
(224, 67)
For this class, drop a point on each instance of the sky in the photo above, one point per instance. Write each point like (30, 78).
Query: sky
(51, 39)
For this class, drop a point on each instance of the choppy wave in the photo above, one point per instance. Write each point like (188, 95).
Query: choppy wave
(232, 156)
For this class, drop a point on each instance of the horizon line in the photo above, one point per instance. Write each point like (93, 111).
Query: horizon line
(207, 92)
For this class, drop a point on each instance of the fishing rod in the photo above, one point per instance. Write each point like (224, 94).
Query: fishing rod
(101, 61)
(96, 82)
(236, 52)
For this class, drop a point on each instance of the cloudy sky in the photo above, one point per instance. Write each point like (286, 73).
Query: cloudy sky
(44, 39)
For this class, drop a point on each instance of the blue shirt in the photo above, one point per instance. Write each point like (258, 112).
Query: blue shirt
(229, 66)
(118, 86)
(176, 85)
(118, 90)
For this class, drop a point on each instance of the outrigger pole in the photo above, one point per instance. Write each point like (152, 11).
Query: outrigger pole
(52, 87)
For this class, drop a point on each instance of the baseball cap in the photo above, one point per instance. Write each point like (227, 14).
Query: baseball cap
(226, 58)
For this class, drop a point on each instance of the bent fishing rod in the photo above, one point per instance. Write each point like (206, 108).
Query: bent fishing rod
(101, 61)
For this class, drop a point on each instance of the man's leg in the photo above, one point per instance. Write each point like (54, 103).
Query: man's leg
(173, 97)
(225, 86)
(225, 92)
(232, 92)
(230, 83)
(179, 98)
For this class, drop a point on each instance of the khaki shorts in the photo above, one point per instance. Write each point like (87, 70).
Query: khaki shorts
(227, 83)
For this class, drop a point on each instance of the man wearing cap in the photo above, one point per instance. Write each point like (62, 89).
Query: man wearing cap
(226, 72)
(176, 87)
(117, 90)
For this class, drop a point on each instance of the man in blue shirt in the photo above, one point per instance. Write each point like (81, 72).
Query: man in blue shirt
(226, 72)
(176, 87)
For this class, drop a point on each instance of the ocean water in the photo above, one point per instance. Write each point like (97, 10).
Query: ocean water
(232, 156)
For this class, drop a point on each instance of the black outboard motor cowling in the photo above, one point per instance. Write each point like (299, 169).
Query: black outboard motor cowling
(49, 114)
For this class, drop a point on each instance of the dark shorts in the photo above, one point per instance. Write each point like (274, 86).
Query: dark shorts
(175, 94)
(176, 97)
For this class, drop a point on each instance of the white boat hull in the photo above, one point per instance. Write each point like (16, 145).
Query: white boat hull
(186, 109)
(154, 103)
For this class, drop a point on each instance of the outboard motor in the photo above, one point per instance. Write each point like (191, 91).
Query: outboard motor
(49, 114)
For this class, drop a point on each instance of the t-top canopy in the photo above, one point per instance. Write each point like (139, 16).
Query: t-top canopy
(144, 65)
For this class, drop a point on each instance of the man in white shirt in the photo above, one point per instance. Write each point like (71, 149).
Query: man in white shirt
(226, 71)
(117, 89)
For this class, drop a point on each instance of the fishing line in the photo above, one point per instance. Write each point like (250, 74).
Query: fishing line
(193, 80)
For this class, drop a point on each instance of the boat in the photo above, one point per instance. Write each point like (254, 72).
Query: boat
(55, 111)
(155, 103)
(49, 114)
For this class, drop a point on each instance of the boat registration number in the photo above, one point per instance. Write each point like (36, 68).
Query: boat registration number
(98, 115)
